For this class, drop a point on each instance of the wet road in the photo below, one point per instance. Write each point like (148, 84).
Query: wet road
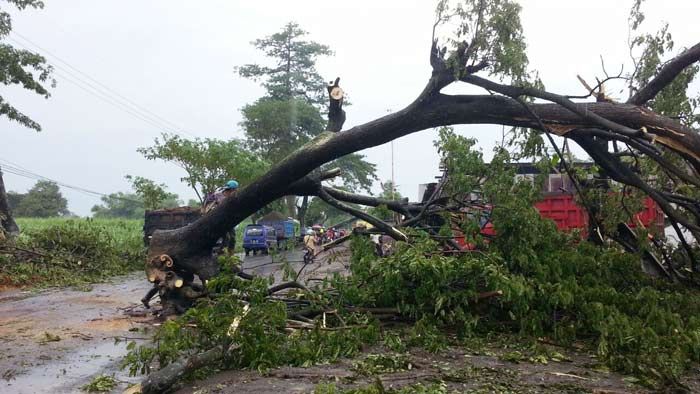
(58, 340)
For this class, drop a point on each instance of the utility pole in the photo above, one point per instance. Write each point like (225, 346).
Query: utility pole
(393, 181)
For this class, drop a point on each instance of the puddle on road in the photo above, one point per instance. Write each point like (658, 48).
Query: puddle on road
(71, 371)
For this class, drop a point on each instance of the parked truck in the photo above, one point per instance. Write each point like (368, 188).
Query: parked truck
(167, 219)
(286, 229)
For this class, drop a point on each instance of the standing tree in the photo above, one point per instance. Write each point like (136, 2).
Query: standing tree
(43, 200)
(209, 163)
(152, 194)
(388, 193)
(148, 195)
(290, 114)
(29, 70)
(120, 205)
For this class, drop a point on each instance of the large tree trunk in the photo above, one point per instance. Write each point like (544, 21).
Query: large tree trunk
(190, 247)
(425, 113)
(7, 223)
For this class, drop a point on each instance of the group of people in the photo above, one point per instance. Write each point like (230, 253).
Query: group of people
(315, 237)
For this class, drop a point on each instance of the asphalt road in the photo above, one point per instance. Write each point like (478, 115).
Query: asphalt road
(324, 264)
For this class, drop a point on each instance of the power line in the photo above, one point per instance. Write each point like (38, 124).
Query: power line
(172, 125)
(102, 91)
(23, 172)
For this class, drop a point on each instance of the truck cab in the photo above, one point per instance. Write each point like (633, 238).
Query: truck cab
(257, 237)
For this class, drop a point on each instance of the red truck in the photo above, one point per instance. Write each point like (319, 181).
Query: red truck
(559, 204)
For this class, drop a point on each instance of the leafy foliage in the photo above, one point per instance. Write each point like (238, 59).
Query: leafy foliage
(21, 67)
(153, 195)
(275, 128)
(55, 252)
(291, 112)
(119, 205)
(100, 384)
(673, 100)
(488, 32)
(209, 163)
(552, 284)
(258, 341)
(43, 200)
(293, 74)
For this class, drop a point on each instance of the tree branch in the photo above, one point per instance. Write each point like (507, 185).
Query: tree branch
(380, 224)
(666, 75)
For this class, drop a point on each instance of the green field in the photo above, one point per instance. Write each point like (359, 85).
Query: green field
(128, 233)
(71, 251)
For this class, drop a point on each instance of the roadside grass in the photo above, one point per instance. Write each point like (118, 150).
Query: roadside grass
(71, 251)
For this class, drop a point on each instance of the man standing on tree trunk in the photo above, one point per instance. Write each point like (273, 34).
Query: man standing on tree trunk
(213, 200)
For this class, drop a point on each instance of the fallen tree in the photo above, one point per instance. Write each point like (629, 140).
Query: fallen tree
(531, 279)
(669, 144)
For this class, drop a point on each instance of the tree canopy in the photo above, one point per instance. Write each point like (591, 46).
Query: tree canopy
(152, 194)
(208, 163)
(120, 205)
(147, 195)
(43, 200)
(21, 67)
(291, 112)
(293, 73)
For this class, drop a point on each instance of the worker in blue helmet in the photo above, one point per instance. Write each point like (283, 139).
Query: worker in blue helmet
(229, 188)
(213, 200)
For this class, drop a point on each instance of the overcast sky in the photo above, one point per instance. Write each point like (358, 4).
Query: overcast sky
(175, 59)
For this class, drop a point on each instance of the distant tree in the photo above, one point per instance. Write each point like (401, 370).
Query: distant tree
(389, 192)
(120, 205)
(209, 163)
(13, 200)
(294, 71)
(321, 213)
(291, 112)
(43, 200)
(153, 195)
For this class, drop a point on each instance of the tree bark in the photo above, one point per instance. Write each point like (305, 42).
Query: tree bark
(7, 223)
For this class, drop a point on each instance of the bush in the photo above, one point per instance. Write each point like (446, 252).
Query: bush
(53, 252)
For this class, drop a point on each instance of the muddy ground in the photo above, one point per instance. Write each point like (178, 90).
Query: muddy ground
(56, 341)
(459, 370)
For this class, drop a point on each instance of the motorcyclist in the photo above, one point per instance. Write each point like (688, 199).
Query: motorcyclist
(310, 242)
